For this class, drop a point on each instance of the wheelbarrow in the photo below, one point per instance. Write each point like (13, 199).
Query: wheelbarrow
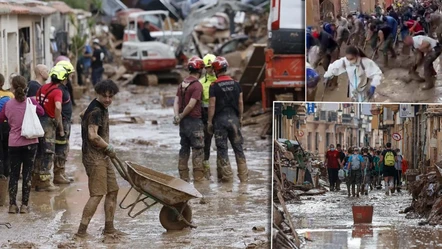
(171, 192)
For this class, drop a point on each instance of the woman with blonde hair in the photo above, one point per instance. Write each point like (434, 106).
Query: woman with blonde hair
(21, 149)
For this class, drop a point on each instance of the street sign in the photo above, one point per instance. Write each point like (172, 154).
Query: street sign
(300, 133)
(277, 108)
(396, 136)
(310, 108)
(406, 111)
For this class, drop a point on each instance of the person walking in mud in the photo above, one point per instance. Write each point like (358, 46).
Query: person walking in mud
(62, 142)
(187, 109)
(22, 151)
(328, 53)
(225, 121)
(332, 157)
(377, 171)
(206, 81)
(388, 158)
(398, 167)
(363, 74)
(428, 50)
(341, 162)
(366, 171)
(50, 98)
(357, 35)
(355, 164)
(96, 155)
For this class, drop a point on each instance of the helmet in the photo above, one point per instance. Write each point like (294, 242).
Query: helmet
(195, 63)
(208, 59)
(67, 65)
(219, 64)
(58, 72)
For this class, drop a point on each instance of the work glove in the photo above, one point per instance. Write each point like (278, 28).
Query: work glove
(210, 128)
(110, 151)
(176, 120)
(371, 91)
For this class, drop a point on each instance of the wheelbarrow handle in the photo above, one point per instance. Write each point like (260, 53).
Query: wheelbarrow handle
(121, 169)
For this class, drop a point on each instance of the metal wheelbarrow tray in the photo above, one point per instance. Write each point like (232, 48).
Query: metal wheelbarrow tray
(173, 193)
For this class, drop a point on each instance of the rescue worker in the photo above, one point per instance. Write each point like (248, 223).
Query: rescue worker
(62, 142)
(429, 50)
(358, 31)
(206, 81)
(363, 74)
(187, 109)
(96, 155)
(225, 121)
(50, 98)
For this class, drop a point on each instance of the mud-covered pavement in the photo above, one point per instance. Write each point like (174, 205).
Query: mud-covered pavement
(225, 216)
(393, 87)
(327, 221)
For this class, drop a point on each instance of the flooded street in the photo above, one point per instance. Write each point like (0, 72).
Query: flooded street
(327, 221)
(226, 215)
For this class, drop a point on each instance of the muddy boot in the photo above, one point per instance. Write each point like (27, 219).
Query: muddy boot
(225, 174)
(243, 172)
(198, 175)
(24, 209)
(3, 190)
(415, 76)
(60, 179)
(47, 186)
(184, 175)
(13, 209)
(183, 168)
(206, 166)
(429, 84)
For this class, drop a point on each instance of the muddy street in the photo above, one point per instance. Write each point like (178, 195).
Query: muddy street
(228, 216)
(328, 222)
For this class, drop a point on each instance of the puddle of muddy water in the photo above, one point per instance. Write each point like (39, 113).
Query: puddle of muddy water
(327, 222)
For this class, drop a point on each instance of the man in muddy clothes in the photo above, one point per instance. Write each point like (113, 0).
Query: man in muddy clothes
(97, 153)
(50, 98)
(328, 53)
(357, 33)
(225, 120)
(187, 109)
(62, 142)
(428, 50)
(355, 162)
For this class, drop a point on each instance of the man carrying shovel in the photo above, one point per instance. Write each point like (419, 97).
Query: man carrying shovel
(97, 152)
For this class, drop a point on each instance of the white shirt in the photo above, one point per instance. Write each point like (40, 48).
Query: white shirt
(417, 41)
(355, 72)
(342, 23)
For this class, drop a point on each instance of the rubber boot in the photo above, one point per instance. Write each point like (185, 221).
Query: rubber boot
(47, 186)
(3, 190)
(429, 83)
(183, 168)
(207, 173)
(243, 172)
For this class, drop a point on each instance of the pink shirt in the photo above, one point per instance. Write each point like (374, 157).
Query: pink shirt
(14, 111)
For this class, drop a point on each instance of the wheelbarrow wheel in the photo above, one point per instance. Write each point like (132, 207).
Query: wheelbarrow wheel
(170, 220)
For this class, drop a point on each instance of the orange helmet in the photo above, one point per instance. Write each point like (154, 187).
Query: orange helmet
(220, 64)
(195, 64)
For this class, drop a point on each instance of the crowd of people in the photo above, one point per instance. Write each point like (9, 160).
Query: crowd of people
(363, 169)
(418, 26)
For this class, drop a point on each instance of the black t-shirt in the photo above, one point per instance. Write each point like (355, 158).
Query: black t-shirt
(226, 91)
(370, 159)
(97, 63)
(386, 30)
(342, 156)
(326, 42)
(33, 87)
(95, 114)
(66, 104)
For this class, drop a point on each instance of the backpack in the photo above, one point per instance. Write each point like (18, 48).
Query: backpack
(389, 159)
(355, 162)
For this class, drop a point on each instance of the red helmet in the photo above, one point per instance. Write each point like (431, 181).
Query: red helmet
(195, 64)
(219, 64)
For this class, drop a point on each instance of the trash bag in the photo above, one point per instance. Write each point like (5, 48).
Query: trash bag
(31, 127)
(341, 174)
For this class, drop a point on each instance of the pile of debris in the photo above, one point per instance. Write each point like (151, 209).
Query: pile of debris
(426, 192)
(259, 119)
(294, 174)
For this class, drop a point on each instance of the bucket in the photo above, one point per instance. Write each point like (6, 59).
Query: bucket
(362, 214)
(3, 190)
